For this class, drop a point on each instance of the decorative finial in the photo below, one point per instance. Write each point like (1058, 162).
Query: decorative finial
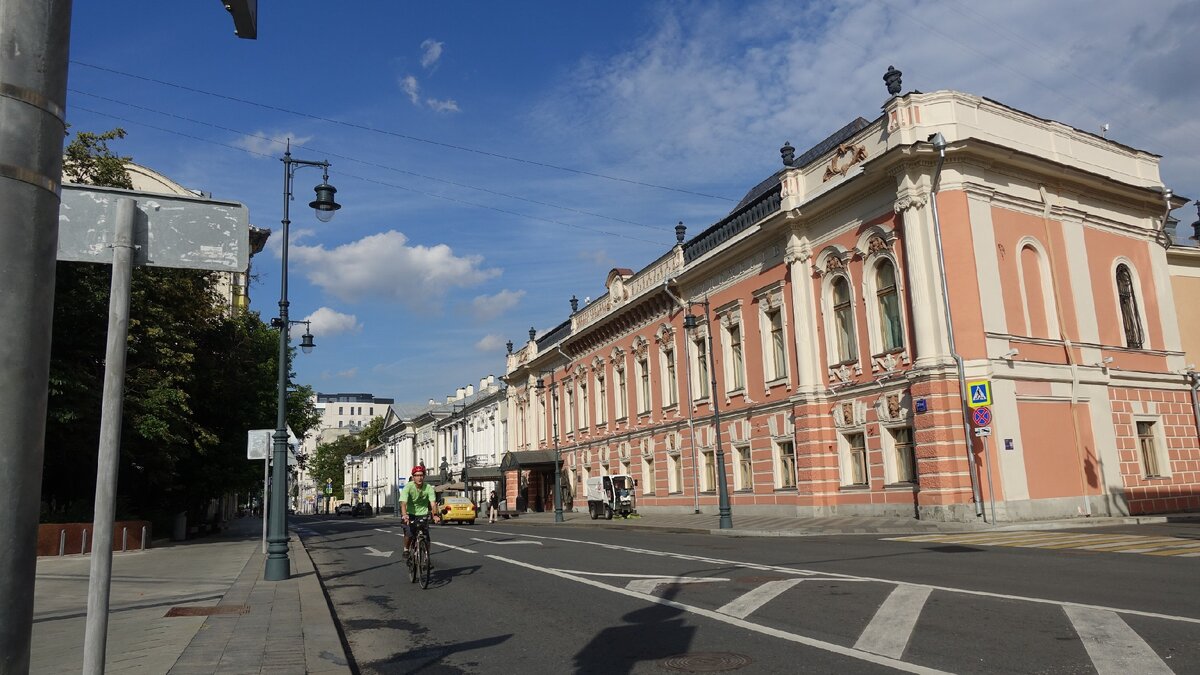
(574, 303)
(509, 345)
(680, 231)
(892, 79)
(788, 153)
(532, 333)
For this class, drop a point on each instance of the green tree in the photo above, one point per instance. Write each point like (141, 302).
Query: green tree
(328, 462)
(373, 432)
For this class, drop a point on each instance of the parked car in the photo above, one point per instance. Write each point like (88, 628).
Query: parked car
(458, 510)
(344, 509)
(362, 509)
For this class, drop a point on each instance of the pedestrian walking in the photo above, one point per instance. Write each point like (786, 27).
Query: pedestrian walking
(493, 506)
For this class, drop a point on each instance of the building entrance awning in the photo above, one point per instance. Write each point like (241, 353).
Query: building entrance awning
(527, 459)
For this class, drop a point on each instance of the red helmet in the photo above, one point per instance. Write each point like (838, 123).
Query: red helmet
(418, 470)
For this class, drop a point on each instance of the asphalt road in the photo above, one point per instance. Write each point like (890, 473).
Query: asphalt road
(584, 599)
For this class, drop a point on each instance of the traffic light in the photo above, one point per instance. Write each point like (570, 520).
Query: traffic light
(245, 17)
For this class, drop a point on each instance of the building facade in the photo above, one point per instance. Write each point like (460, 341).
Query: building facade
(844, 310)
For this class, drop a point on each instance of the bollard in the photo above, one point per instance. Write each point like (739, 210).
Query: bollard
(83, 546)
(143, 537)
(124, 539)
(62, 542)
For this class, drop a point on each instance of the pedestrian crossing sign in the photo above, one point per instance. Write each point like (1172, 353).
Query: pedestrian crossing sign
(979, 394)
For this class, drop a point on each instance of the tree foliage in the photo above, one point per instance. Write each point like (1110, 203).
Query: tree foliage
(197, 378)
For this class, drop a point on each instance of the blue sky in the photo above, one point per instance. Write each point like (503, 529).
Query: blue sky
(494, 158)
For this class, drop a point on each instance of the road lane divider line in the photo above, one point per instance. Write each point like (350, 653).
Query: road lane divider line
(519, 541)
(734, 621)
(1115, 649)
(893, 624)
(456, 548)
(748, 603)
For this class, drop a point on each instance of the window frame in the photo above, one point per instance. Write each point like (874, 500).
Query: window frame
(1137, 319)
(849, 451)
(833, 310)
(877, 320)
(1161, 455)
(782, 473)
(743, 475)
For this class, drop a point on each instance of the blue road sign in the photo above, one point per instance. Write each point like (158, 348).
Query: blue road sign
(979, 394)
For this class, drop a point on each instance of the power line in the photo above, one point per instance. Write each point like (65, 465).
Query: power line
(371, 180)
(396, 134)
(363, 162)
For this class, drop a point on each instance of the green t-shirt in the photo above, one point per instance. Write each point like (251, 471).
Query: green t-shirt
(418, 500)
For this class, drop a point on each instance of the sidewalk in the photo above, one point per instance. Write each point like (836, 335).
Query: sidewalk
(795, 526)
(193, 607)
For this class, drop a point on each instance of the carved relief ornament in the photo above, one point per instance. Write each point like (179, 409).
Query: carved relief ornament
(847, 155)
(910, 202)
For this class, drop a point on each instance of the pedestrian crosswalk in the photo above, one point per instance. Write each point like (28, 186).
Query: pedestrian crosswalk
(1082, 541)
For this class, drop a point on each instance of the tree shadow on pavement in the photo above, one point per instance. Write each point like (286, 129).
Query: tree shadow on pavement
(651, 634)
(429, 658)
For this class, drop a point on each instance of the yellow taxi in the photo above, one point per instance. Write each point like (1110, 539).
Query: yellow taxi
(458, 510)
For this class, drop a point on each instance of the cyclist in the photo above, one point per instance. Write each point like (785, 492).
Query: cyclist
(417, 500)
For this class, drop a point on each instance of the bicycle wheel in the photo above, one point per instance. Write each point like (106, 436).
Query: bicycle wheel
(423, 561)
(412, 567)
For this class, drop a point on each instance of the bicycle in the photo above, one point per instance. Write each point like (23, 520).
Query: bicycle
(418, 559)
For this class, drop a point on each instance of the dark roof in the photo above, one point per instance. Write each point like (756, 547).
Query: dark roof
(763, 199)
(554, 336)
(483, 472)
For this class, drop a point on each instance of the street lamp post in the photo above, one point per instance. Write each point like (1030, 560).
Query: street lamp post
(690, 324)
(558, 507)
(277, 568)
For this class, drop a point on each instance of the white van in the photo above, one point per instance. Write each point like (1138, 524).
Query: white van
(611, 495)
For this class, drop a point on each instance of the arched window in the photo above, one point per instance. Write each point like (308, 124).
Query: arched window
(843, 320)
(891, 330)
(1131, 319)
(1035, 293)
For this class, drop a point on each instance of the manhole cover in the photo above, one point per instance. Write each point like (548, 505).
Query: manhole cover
(706, 662)
(216, 610)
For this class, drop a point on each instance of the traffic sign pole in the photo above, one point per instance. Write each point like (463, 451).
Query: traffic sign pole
(987, 457)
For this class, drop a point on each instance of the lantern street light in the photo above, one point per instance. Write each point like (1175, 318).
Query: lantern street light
(558, 505)
(690, 324)
(277, 568)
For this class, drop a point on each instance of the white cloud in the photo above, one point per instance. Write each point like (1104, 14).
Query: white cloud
(490, 343)
(448, 105)
(266, 143)
(488, 307)
(598, 257)
(347, 374)
(411, 88)
(329, 322)
(701, 85)
(385, 266)
(431, 51)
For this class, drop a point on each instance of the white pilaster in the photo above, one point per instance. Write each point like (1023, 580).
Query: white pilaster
(804, 308)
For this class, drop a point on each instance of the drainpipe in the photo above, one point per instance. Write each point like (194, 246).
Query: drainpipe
(1194, 378)
(687, 375)
(939, 143)
(1166, 238)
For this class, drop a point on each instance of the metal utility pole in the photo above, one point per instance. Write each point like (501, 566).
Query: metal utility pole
(34, 52)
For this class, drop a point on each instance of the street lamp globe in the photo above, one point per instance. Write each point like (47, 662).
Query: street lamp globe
(324, 204)
(306, 342)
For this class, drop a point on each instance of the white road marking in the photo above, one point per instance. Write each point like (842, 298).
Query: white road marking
(649, 585)
(1112, 645)
(747, 604)
(850, 577)
(894, 621)
(456, 548)
(734, 621)
(518, 541)
(380, 529)
(377, 552)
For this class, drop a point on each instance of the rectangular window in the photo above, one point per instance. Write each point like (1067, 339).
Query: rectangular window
(340, 410)
(670, 385)
(570, 416)
(583, 405)
(648, 477)
(710, 471)
(644, 385)
(786, 454)
(601, 400)
(542, 419)
(778, 349)
(1148, 445)
(622, 395)
(906, 459)
(702, 376)
(675, 477)
(745, 469)
(736, 362)
(857, 460)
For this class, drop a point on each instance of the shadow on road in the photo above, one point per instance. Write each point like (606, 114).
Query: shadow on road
(650, 634)
(429, 658)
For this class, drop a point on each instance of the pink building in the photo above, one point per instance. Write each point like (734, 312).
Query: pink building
(840, 349)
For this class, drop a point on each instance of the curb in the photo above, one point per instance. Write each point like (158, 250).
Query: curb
(324, 647)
